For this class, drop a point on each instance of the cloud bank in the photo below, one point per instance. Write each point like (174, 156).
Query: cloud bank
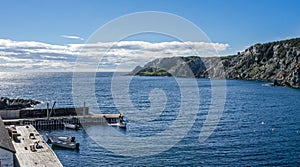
(125, 55)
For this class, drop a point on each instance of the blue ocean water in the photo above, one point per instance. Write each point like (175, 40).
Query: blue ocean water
(260, 125)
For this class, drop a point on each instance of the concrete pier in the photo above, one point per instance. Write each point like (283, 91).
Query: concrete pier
(41, 113)
(58, 122)
(56, 117)
(31, 149)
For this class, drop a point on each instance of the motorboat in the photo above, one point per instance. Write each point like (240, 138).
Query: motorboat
(68, 145)
(63, 141)
(121, 124)
(71, 126)
(60, 138)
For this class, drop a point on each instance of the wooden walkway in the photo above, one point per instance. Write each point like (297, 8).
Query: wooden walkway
(32, 150)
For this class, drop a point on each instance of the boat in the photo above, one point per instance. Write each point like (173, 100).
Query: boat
(71, 126)
(63, 141)
(66, 138)
(68, 145)
(121, 124)
(60, 138)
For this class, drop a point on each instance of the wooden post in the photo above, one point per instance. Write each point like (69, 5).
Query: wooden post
(47, 111)
(85, 112)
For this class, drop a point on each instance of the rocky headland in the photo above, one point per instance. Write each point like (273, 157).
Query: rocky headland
(15, 104)
(278, 62)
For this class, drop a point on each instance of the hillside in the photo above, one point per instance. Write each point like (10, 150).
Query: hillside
(278, 62)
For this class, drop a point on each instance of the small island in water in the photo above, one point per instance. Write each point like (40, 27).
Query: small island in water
(278, 62)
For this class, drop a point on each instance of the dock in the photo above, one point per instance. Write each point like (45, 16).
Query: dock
(58, 122)
(31, 149)
(56, 117)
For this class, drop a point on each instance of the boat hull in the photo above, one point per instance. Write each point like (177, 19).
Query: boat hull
(71, 126)
(67, 142)
(66, 145)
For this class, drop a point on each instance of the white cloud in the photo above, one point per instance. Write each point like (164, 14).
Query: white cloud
(30, 55)
(72, 37)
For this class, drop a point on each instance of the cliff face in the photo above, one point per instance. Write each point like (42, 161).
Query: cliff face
(275, 61)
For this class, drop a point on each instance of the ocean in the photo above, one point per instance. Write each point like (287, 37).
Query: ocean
(253, 125)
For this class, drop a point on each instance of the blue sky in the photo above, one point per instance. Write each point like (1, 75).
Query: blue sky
(238, 23)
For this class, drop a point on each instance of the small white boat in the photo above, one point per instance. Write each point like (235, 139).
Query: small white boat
(63, 141)
(68, 145)
(66, 138)
(71, 126)
(60, 138)
(120, 124)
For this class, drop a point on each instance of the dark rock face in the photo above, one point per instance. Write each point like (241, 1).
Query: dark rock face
(275, 61)
(14, 104)
(179, 67)
(291, 79)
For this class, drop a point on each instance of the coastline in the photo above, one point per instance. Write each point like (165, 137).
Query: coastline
(277, 62)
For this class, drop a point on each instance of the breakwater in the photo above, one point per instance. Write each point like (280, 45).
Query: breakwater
(56, 118)
(58, 122)
(41, 113)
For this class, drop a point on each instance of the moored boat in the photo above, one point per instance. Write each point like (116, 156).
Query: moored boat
(63, 141)
(121, 124)
(60, 138)
(68, 145)
(71, 126)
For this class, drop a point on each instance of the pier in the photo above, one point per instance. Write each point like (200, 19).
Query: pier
(31, 149)
(56, 117)
(58, 122)
(41, 113)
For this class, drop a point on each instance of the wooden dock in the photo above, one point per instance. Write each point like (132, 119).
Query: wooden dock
(31, 149)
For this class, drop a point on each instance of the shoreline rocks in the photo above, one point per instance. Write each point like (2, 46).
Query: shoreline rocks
(15, 104)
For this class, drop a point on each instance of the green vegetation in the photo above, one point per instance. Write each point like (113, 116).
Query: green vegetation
(254, 71)
(293, 42)
(160, 72)
(227, 57)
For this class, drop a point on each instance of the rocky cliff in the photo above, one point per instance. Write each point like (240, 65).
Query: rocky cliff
(275, 61)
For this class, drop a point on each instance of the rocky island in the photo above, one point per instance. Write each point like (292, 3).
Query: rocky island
(278, 62)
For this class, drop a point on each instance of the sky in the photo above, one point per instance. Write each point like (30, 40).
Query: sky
(50, 35)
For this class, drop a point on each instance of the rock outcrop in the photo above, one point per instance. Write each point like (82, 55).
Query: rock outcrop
(15, 104)
(275, 61)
